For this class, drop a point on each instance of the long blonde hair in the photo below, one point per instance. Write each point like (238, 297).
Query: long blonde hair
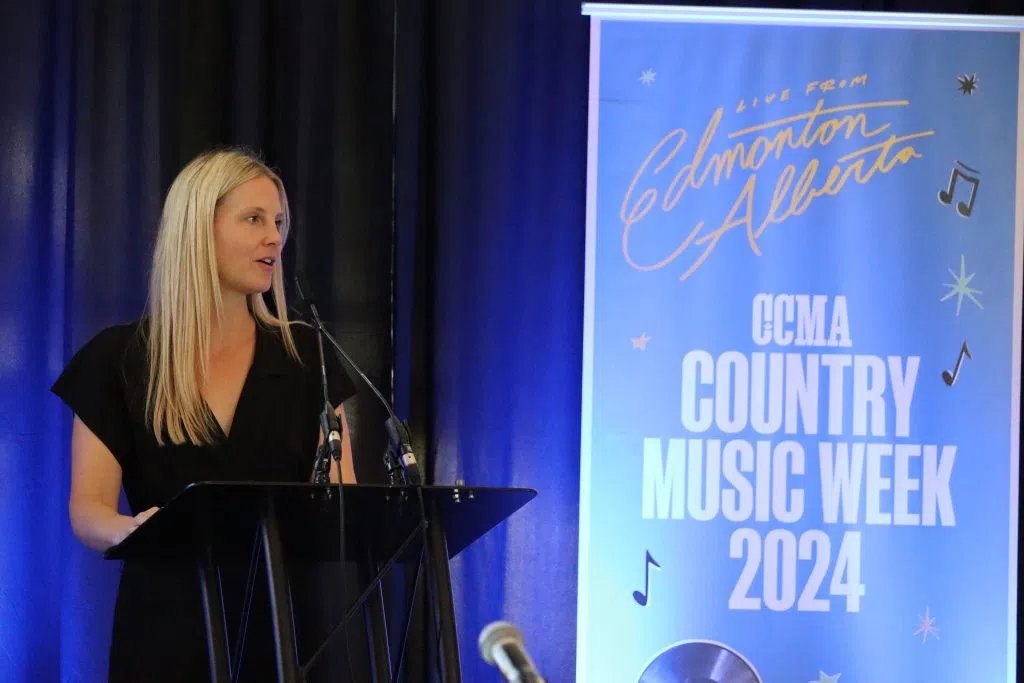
(184, 293)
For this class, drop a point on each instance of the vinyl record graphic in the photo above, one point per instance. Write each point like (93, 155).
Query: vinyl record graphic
(699, 661)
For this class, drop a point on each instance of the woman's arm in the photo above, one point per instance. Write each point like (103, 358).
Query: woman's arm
(95, 487)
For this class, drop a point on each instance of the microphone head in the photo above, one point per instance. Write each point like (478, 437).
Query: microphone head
(306, 297)
(497, 632)
(302, 289)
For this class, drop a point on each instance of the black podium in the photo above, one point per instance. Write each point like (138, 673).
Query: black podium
(212, 522)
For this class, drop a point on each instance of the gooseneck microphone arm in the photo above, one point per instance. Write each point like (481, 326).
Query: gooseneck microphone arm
(399, 440)
(330, 427)
(400, 463)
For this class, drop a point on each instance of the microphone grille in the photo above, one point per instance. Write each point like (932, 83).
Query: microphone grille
(302, 288)
(497, 632)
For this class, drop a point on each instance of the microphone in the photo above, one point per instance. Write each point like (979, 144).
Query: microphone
(400, 460)
(501, 645)
(330, 425)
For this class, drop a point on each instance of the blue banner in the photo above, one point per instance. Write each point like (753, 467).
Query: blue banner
(802, 354)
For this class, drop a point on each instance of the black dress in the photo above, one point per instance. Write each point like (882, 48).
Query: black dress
(159, 633)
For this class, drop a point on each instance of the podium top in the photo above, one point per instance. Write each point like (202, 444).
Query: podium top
(224, 516)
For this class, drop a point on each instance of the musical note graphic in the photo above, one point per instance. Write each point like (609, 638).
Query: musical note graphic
(950, 377)
(946, 196)
(641, 598)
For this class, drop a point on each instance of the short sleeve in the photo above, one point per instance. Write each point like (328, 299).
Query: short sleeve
(340, 386)
(92, 385)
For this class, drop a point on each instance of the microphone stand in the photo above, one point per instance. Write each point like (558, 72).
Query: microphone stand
(330, 449)
(402, 470)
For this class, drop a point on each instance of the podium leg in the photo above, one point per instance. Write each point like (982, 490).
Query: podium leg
(376, 626)
(213, 615)
(440, 590)
(280, 604)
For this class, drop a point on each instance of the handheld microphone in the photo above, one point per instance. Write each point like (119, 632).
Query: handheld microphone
(400, 460)
(501, 645)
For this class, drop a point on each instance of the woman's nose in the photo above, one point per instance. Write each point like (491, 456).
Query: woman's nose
(272, 236)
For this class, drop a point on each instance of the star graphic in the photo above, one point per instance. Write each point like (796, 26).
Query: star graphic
(647, 76)
(825, 678)
(967, 84)
(959, 287)
(927, 626)
(640, 342)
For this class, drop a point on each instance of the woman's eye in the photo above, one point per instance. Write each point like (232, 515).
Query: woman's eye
(253, 219)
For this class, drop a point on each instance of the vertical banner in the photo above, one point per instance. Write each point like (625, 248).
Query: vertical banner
(802, 348)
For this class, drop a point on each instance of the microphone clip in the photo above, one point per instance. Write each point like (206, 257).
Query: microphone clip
(330, 448)
(322, 466)
(400, 455)
(330, 427)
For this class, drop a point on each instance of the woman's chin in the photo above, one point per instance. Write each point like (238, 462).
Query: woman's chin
(262, 286)
(250, 288)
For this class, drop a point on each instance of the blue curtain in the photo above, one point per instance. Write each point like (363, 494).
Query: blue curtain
(34, 167)
(499, 244)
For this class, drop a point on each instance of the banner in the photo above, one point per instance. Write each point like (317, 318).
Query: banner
(802, 348)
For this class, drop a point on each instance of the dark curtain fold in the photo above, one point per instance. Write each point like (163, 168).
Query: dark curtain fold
(497, 309)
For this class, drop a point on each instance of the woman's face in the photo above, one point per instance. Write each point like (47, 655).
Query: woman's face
(247, 237)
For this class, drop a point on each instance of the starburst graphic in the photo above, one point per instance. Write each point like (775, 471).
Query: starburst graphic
(959, 287)
(927, 626)
(967, 84)
(825, 678)
(647, 76)
(640, 342)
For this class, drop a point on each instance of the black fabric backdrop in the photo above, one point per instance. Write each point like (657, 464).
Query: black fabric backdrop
(435, 155)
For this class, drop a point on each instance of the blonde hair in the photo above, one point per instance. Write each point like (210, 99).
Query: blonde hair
(184, 293)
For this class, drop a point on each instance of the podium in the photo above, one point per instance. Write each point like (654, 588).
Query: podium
(212, 522)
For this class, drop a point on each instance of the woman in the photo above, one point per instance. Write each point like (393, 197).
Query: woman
(210, 385)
